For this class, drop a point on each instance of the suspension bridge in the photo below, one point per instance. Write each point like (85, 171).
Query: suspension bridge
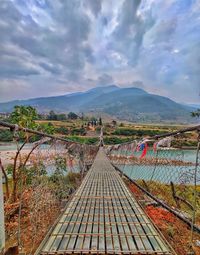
(103, 216)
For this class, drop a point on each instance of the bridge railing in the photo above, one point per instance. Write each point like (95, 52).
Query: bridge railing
(40, 172)
(166, 170)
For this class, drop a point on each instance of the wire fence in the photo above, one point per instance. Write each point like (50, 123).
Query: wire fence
(165, 172)
(39, 178)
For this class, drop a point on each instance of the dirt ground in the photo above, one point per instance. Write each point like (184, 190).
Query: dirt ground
(34, 223)
(176, 232)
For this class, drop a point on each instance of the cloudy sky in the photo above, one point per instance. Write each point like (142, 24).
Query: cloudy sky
(53, 47)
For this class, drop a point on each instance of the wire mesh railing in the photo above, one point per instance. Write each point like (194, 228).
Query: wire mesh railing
(41, 171)
(39, 178)
(165, 172)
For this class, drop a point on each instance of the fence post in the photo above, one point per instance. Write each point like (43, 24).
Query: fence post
(2, 227)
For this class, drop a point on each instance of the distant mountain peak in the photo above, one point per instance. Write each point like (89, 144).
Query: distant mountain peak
(130, 103)
(108, 88)
(136, 89)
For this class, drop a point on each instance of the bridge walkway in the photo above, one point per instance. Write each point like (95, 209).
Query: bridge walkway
(103, 217)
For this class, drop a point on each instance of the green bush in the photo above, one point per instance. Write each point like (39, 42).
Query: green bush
(116, 140)
(78, 131)
(6, 135)
(137, 132)
(62, 130)
(84, 140)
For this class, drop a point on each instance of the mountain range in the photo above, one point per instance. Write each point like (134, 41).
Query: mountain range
(132, 104)
(196, 106)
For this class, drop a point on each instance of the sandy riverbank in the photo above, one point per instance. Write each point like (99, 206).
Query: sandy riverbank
(7, 157)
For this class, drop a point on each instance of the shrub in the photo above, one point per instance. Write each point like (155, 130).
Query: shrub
(6, 135)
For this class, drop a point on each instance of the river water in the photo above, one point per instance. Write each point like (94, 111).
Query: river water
(161, 173)
(165, 173)
(11, 148)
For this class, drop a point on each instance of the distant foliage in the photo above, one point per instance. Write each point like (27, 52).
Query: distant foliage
(196, 114)
(114, 122)
(54, 116)
(116, 140)
(100, 121)
(72, 116)
(85, 140)
(135, 132)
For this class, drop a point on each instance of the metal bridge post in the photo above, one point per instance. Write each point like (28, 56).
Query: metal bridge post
(101, 142)
(2, 227)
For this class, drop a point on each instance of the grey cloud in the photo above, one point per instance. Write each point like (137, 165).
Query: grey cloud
(95, 6)
(75, 41)
(127, 17)
(129, 33)
(64, 44)
(14, 71)
(50, 68)
(73, 76)
(88, 52)
(13, 67)
(138, 84)
(104, 80)
(9, 13)
(9, 19)
(162, 32)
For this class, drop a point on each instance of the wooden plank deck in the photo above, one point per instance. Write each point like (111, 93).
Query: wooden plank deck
(103, 218)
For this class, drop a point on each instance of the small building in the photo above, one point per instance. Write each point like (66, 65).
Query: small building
(4, 115)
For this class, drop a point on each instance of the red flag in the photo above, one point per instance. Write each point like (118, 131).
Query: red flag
(144, 152)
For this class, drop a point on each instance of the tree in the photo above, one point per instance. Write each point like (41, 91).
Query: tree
(47, 128)
(114, 122)
(24, 116)
(100, 121)
(72, 116)
(196, 114)
(61, 116)
(52, 116)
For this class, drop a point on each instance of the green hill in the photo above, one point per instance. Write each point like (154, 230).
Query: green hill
(133, 104)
